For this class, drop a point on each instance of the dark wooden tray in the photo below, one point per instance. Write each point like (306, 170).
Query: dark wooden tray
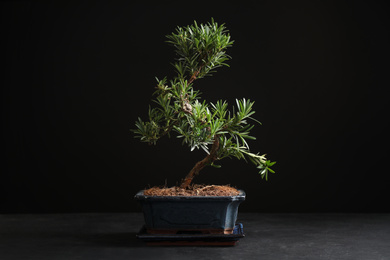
(193, 239)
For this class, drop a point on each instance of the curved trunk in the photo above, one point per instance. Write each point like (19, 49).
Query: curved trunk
(201, 164)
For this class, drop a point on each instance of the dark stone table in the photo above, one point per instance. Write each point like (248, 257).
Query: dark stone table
(268, 236)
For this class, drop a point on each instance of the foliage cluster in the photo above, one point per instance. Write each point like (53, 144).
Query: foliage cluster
(178, 108)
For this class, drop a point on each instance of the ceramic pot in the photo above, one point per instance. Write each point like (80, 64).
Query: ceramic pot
(190, 214)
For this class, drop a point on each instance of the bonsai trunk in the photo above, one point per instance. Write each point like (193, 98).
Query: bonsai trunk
(201, 164)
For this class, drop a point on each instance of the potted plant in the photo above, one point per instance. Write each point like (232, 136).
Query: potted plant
(178, 109)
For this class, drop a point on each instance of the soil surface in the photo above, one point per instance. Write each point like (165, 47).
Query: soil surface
(194, 190)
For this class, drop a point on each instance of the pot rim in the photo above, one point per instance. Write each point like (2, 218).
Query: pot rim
(240, 197)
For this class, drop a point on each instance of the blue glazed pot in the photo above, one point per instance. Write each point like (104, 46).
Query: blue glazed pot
(176, 214)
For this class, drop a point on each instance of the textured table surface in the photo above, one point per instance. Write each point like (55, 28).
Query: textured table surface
(268, 236)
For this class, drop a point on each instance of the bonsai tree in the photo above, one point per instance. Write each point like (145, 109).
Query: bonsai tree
(178, 108)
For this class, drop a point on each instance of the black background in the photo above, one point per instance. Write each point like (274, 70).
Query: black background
(77, 75)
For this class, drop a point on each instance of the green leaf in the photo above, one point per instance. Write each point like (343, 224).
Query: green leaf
(216, 165)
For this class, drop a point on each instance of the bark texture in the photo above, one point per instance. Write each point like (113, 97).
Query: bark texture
(201, 164)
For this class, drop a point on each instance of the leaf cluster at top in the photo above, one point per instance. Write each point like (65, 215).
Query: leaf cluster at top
(200, 49)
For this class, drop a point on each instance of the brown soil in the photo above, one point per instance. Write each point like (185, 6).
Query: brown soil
(194, 190)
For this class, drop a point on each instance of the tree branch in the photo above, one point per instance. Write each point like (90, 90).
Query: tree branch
(201, 164)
